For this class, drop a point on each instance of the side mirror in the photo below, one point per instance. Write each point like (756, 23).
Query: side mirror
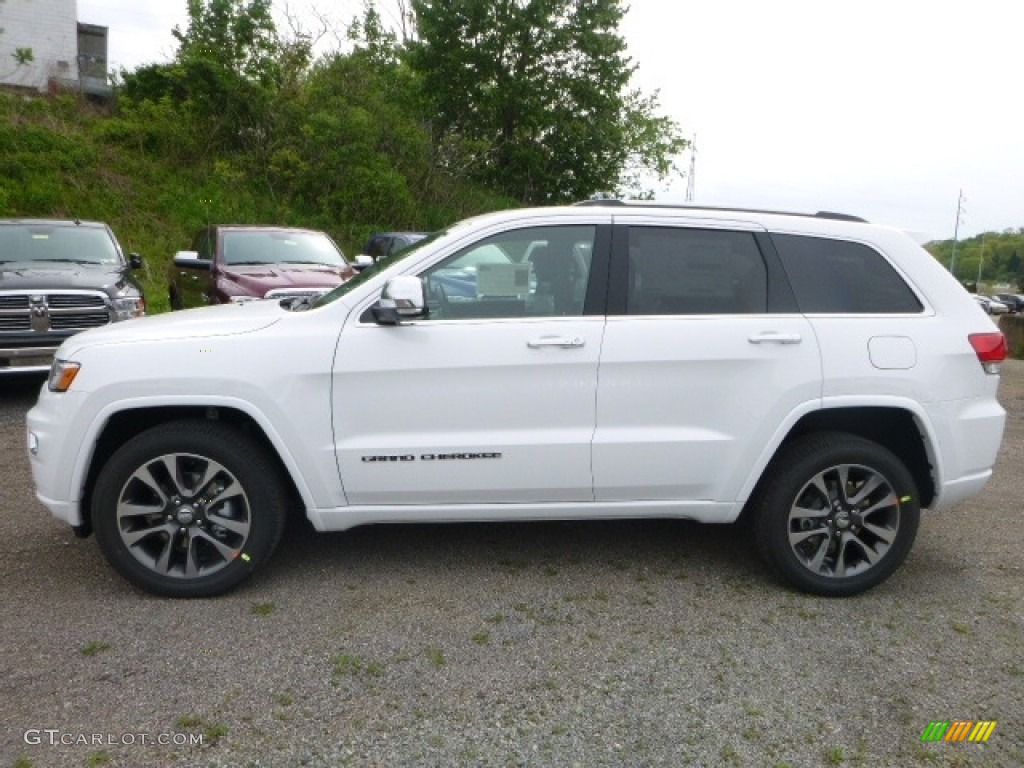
(190, 260)
(403, 298)
(362, 262)
(134, 261)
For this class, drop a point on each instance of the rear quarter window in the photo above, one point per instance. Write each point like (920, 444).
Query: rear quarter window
(842, 277)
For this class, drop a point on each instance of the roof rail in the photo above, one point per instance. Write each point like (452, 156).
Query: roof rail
(684, 206)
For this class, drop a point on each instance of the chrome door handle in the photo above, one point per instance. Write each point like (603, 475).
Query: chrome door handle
(770, 337)
(556, 341)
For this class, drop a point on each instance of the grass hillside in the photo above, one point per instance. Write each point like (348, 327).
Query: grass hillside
(64, 157)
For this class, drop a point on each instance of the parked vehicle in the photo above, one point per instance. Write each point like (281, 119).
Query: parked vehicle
(240, 263)
(991, 305)
(384, 244)
(824, 376)
(58, 278)
(1014, 301)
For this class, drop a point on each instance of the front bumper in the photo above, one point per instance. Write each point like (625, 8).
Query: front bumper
(27, 359)
(53, 454)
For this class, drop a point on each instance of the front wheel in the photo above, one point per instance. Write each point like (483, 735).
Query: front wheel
(836, 514)
(189, 509)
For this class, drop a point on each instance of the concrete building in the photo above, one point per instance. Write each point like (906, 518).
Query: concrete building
(64, 53)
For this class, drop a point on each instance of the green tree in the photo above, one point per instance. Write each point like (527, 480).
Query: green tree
(533, 98)
(228, 72)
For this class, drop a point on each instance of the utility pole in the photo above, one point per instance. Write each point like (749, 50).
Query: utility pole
(981, 260)
(956, 231)
(691, 179)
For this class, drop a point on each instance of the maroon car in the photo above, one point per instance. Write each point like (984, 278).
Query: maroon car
(240, 263)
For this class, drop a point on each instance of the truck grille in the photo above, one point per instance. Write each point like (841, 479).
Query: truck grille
(57, 311)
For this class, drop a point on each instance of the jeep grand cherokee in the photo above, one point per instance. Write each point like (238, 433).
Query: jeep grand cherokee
(824, 375)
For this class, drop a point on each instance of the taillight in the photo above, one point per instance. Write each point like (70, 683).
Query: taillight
(990, 348)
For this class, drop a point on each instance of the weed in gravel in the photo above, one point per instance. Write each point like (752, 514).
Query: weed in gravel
(284, 699)
(482, 638)
(807, 613)
(94, 647)
(97, 759)
(959, 626)
(437, 657)
(349, 664)
(191, 720)
(730, 755)
(835, 756)
(22, 762)
(262, 609)
(214, 733)
(497, 618)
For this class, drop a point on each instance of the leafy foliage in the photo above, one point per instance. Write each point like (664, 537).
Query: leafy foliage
(992, 258)
(244, 126)
(532, 97)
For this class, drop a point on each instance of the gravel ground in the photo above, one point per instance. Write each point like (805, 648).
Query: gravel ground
(590, 644)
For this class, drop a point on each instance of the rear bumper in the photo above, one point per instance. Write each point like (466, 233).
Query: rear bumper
(967, 446)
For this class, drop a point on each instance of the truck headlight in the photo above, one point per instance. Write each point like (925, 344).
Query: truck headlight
(128, 307)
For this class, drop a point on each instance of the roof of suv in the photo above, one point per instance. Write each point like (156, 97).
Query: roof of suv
(705, 208)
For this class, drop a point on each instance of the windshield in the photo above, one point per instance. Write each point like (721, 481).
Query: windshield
(382, 263)
(23, 243)
(281, 247)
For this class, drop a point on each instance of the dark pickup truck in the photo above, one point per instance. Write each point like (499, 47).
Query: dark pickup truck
(242, 262)
(58, 278)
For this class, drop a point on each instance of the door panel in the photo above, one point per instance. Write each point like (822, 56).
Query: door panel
(491, 398)
(686, 405)
(703, 360)
(453, 412)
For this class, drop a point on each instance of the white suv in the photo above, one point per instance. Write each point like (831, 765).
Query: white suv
(825, 376)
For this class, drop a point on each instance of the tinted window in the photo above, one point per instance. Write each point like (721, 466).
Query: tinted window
(694, 272)
(535, 272)
(377, 247)
(837, 276)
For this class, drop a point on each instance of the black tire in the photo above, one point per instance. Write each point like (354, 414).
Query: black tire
(835, 514)
(189, 508)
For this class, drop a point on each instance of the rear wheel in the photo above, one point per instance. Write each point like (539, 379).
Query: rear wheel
(189, 509)
(836, 514)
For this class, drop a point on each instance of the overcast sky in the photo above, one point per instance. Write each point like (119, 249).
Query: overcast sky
(881, 108)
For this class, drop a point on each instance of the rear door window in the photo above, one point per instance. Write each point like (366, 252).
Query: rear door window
(842, 277)
(677, 271)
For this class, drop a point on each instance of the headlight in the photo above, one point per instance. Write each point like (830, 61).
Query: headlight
(129, 307)
(62, 373)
